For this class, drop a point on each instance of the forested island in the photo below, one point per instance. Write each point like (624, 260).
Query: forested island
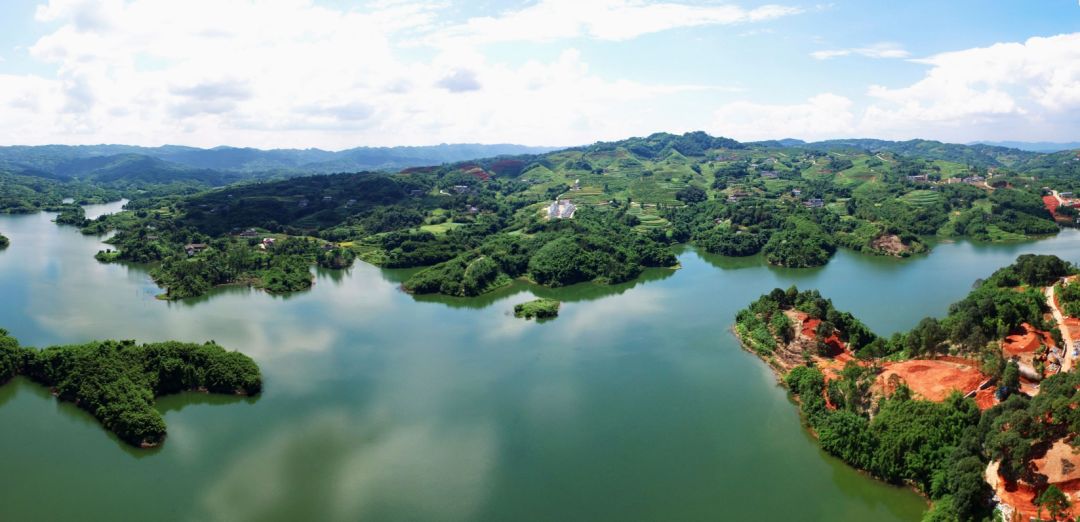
(538, 308)
(118, 381)
(600, 213)
(4, 242)
(991, 384)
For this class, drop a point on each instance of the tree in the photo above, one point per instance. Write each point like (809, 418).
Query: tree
(1010, 379)
(1054, 501)
(691, 195)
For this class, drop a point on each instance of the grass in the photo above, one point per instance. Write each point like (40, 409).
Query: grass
(538, 308)
(440, 228)
(998, 235)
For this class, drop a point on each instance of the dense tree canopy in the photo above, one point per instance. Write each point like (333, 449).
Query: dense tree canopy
(117, 381)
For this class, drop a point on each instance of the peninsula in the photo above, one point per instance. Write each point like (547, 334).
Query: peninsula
(117, 381)
(963, 408)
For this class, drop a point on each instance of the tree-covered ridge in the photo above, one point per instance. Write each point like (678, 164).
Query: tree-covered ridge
(26, 194)
(942, 448)
(794, 203)
(595, 246)
(118, 381)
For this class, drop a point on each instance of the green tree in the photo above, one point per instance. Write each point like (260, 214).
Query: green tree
(1054, 501)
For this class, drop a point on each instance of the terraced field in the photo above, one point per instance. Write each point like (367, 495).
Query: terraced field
(922, 198)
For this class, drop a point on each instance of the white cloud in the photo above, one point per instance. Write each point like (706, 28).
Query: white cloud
(293, 74)
(878, 50)
(1029, 90)
(550, 20)
(822, 116)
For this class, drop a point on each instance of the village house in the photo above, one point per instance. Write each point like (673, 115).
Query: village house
(814, 203)
(194, 248)
(561, 209)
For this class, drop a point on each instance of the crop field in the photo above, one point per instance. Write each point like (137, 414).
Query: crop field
(922, 198)
(440, 228)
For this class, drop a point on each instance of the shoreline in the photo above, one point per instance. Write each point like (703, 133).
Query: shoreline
(813, 434)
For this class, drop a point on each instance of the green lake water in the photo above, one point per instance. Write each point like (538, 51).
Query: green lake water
(636, 404)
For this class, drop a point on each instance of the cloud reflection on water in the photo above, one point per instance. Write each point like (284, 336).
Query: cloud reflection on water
(331, 466)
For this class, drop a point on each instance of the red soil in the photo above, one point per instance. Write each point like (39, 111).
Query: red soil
(809, 330)
(1061, 466)
(1051, 204)
(933, 379)
(986, 398)
(1027, 342)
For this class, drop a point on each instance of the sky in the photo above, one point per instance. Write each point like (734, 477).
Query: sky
(336, 74)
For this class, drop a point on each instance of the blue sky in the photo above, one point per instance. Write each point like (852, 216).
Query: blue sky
(336, 74)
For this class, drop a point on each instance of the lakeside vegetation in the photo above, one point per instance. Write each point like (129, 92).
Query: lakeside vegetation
(476, 225)
(538, 308)
(118, 381)
(940, 448)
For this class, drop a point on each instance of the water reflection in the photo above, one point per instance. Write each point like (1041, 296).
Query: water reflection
(73, 416)
(179, 401)
(567, 294)
(636, 403)
(332, 466)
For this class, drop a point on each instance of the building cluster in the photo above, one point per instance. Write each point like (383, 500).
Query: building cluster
(561, 209)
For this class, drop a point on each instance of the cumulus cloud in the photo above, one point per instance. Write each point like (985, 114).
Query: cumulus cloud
(293, 73)
(878, 50)
(461, 80)
(1029, 89)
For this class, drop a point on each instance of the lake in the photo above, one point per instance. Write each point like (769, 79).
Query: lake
(635, 404)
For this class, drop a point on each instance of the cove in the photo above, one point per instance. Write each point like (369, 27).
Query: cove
(635, 404)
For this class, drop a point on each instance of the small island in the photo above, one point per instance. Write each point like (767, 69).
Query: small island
(977, 405)
(538, 308)
(117, 381)
(4, 242)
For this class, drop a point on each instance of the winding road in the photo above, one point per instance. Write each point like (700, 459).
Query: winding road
(1059, 318)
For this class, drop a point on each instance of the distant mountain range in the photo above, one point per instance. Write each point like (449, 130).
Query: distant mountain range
(1034, 146)
(222, 165)
(131, 166)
